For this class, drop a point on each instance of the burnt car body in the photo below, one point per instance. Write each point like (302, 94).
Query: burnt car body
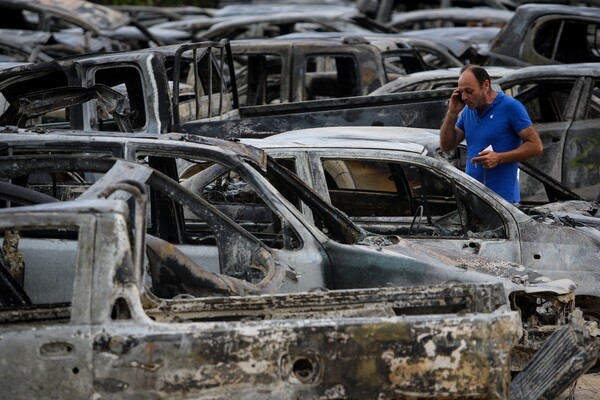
(450, 16)
(34, 46)
(171, 89)
(465, 43)
(80, 22)
(151, 89)
(563, 102)
(301, 69)
(546, 34)
(434, 56)
(323, 250)
(276, 24)
(102, 333)
(271, 25)
(389, 181)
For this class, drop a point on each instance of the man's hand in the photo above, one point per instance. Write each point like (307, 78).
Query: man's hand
(532, 146)
(456, 102)
(487, 158)
(450, 135)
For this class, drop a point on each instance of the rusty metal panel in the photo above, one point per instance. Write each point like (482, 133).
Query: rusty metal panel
(409, 357)
(401, 109)
(378, 302)
(334, 344)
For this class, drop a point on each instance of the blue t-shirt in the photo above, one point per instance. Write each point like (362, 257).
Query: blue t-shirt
(498, 126)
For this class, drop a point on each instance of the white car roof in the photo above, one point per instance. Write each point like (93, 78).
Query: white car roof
(414, 140)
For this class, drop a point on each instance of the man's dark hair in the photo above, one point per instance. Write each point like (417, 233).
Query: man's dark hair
(478, 72)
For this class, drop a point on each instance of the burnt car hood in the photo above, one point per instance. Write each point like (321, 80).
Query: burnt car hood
(458, 40)
(571, 207)
(515, 277)
(579, 214)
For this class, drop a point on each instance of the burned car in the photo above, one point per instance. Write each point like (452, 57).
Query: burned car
(389, 181)
(273, 24)
(563, 102)
(384, 10)
(184, 89)
(83, 24)
(300, 69)
(464, 43)
(433, 55)
(314, 245)
(147, 90)
(33, 46)
(85, 323)
(284, 7)
(540, 34)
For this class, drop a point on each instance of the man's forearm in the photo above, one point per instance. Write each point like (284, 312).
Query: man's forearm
(448, 133)
(521, 153)
(531, 147)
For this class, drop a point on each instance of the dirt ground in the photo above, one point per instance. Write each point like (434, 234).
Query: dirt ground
(587, 388)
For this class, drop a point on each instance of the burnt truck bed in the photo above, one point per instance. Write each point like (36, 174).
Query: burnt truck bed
(418, 109)
(150, 92)
(113, 339)
(361, 343)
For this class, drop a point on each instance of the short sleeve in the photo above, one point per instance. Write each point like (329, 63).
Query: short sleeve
(519, 118)
(460, 124)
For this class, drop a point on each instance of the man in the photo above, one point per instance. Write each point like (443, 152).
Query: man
(497, 128)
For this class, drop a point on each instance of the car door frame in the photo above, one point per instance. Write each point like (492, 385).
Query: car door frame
(552, 134)
(507, 248)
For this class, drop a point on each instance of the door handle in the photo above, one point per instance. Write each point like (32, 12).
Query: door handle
(56, 349)
(471, 247)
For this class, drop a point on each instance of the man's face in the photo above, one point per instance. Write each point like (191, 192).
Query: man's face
(473, 94)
